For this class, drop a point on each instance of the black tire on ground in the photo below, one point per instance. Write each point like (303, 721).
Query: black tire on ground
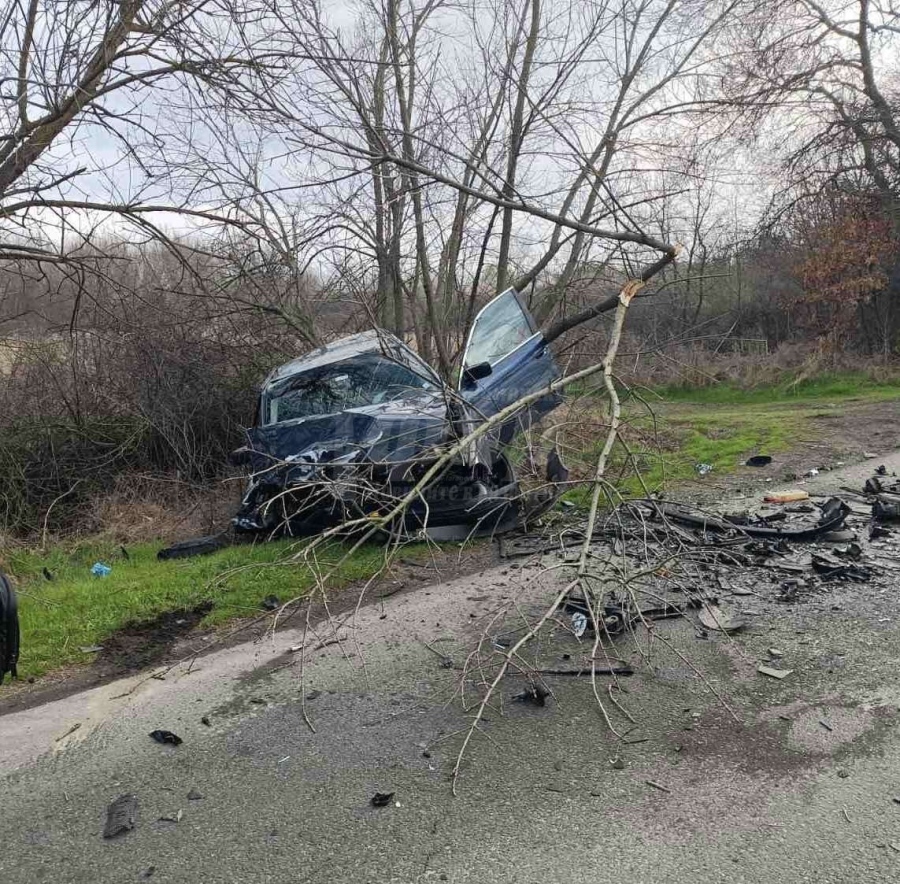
(9, 629)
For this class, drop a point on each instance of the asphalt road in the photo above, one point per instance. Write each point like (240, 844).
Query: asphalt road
(785, 781)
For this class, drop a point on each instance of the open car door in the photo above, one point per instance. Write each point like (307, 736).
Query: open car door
(505, 359)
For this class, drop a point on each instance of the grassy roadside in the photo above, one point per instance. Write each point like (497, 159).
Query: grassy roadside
(670, 431)
(720, 425)
(76, 609)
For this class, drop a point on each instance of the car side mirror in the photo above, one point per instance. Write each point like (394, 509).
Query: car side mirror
(240, 457)
(474, 373)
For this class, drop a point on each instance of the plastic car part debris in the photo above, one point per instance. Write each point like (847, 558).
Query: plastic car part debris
(534, 695)
(831, 568)
(579, 624)
(833, 513)
(162, 736)
(886, 511)
(843, 536)
(714, 617)
(9, 629)
(773, 673)
(198, 546)
(120, 816)
(381, 799)
(758, 460)
(98, 569)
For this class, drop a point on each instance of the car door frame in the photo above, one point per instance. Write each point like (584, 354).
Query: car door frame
(482, 394)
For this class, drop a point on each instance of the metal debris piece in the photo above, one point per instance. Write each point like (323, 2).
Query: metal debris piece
(773, 673)
(120, 816)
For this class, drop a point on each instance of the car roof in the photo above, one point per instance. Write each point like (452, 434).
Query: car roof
(375, 339)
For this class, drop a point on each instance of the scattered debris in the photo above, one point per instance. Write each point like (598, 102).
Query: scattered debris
(120, 816)
(758, 460)
(194, 795)
(198, 546)
(617, 763)
(535, 694)
(69, 732)
(271, 603)
(775, 652)
(786, 496)
(811, 474)
(656, 785)
(91, 649)
(762, 669)
(98, 569)
(172, 818)
(381, 799)
(703, 469)
(166, 737)
(48, 576)
(826, 725)
(205, 720)
(714, 617)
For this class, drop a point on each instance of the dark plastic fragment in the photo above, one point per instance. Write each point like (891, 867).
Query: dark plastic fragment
(120, 816)
(166, 737)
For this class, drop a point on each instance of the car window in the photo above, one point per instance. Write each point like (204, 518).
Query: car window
(368, 379)
(499, 328)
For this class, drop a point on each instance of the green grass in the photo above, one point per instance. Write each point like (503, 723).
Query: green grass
(77, 609)
(723, 425)
(824, 386)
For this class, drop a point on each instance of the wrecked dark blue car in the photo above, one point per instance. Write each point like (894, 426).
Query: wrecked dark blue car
(351, 428)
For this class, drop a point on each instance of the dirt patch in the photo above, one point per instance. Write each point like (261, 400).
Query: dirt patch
(140, 645)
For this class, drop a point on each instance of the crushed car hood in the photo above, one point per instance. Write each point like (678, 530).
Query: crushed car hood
(388, 433)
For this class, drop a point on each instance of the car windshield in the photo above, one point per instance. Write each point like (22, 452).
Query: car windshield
(367, 379)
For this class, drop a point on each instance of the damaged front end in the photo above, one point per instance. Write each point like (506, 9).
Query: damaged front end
(351, 431)
(311, 471)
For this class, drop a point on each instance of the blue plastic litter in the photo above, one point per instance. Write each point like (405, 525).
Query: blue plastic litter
(100, 570)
